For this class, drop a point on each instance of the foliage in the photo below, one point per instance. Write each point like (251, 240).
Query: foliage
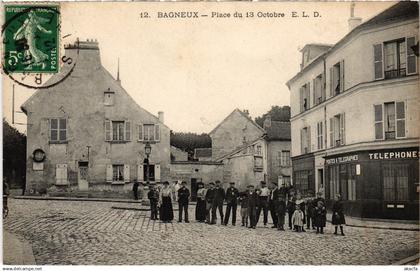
(14, 155)
(279, 113)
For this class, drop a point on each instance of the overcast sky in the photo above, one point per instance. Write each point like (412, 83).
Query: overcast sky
(199, 70)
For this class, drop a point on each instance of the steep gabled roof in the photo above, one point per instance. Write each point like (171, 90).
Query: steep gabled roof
(242, 114)
(240, 148)
(279, 130)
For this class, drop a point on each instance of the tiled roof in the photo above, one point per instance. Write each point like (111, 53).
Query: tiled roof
(279, 130)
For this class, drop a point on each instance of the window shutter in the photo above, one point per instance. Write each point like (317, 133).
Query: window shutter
(331, 132)
(127, 173)
(140, 131)
(108, 130)
(411, 57)
(301, 99)
(342, 129)
(308, 95)
(378, 61)
(342, 84)
(308, 136)
(331, 82)
(323, 86)
(157, 132)
(109, 172)
(400, 119)
(302, 148)
(379, 124)
(128, 131)
(157, 173)
(140, 172)
(315, 101)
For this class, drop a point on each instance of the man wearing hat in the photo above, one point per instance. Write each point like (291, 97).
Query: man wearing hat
(219, 197)
(274, 195)
(252, 196)
(263, 202)
(183, 198)
(153, 197)
(232, 195)
(209, 201)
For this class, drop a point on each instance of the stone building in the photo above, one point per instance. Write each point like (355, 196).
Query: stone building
(355, 116)
(87, 134)
(178, 154)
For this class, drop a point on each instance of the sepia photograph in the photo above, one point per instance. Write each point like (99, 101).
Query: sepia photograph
(210, 134)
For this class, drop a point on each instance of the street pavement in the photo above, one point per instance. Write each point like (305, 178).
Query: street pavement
(110, 233)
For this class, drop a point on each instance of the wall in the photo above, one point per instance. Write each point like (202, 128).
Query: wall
(79, 98)
(185, 171)
(178, 154)
(274, 168)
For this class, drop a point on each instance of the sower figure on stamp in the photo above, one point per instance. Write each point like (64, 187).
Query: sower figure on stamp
(219, 197)
(153, 196)
(209, 201)
(252, 197)
(263, 202)
(274, 194)
(232, 195)
(183, 198)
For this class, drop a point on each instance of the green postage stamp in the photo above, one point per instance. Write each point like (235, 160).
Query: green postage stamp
(31, 39)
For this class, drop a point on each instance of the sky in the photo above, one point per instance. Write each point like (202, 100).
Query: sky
(199, 70)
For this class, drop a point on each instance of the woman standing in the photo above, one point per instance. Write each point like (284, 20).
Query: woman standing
(165, 203)
(338, 218)
(200, 208)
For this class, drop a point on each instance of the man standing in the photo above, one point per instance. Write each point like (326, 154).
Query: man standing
(219, 197)
(252, 205)
(153, 197)
(232, 195)
(274, 194)
(263, 202)
(136, 189)
(209, 201)
(183, 198)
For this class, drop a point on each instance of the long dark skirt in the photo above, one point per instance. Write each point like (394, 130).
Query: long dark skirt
(166, 211)
(200, 210)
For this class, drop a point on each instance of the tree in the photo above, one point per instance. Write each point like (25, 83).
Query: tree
(279, 113)
(14, 156)
(190, 141)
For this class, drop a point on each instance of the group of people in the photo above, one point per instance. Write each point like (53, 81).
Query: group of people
(309, 211)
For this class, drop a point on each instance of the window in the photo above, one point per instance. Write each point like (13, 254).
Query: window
(395, 59)
(320, 135)
(117, 173)
(351, 182)
(301, 181)
(117, 131)
(258, 164)
(334, 181)
(389, 120)
(259, 150)
(286, 180)
(337, 78)
(304, 97)
(305, 139)
(284, 158)
(319, 89)
(148, 132)
(337, 130)
(395, 182)
(58, 130)
(343, 181)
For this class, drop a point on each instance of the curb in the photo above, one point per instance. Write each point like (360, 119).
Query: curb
(77, 199)
(379, 227)
(408, 260)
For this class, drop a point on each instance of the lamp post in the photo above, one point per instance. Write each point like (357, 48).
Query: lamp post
(147, 151)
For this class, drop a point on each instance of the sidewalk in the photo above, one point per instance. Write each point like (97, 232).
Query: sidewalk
(78, 199)
(16, 251)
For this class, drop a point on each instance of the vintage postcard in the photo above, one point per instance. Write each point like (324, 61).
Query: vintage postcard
(210, 133)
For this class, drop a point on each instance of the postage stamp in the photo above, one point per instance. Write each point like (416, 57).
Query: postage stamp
(31, 39)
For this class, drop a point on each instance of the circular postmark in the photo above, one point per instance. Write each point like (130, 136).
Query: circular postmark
(31, 46)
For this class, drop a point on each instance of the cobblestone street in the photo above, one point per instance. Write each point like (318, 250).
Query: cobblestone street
(77, 232)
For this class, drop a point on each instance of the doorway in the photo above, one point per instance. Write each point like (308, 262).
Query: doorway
(83, 174)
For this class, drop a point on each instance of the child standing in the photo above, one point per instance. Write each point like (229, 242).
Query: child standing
(297, 219)
(244, 209)
(320, 217)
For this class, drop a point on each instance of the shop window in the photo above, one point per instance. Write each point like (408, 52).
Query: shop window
(351, 181)
(334, 181)
(395, 182)
(301, 181)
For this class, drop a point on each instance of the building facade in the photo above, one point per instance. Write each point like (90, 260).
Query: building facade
(355, 117)
(100, 148)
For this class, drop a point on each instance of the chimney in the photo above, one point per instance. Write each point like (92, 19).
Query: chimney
(161, 116)
(85, 54)
(267, 122)
(353, 21)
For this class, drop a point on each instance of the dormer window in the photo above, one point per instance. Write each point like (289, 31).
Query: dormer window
(109, 97)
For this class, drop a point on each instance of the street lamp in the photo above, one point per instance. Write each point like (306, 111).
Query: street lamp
(147, 151)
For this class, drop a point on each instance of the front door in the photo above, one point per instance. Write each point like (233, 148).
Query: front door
(194, 189)
(83, 176)
(395, 189)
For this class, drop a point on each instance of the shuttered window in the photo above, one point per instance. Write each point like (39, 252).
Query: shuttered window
(58, 130)
(378, 61)
(117, 131)
(411, 57)
(389, 120)
(149, 132)
(337, 82)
